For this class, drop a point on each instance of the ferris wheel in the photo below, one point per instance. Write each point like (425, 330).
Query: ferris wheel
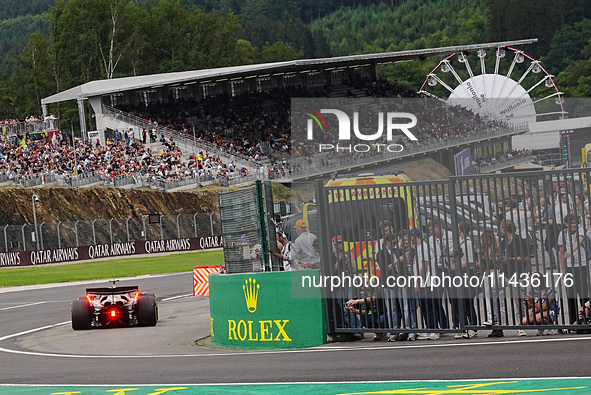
(517, 89)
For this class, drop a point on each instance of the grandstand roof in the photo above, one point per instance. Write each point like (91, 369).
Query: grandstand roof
(110, 86)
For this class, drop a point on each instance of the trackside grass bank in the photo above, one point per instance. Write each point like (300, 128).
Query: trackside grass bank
(106, 269)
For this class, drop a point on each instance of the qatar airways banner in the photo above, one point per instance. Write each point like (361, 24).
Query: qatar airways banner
(83, 253)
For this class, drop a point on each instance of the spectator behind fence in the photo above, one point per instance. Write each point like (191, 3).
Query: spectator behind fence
(515, 262)
(573, 261)
(547, 223)
(370, 308)
(345, 266)
(491, 265)
(304, 254)
(465, 265)
(542, 305)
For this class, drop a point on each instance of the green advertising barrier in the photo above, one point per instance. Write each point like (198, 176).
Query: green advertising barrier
(258, 311)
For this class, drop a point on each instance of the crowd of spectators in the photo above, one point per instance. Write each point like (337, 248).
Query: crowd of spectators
(501, 157)
(255, 126)
(24, 157)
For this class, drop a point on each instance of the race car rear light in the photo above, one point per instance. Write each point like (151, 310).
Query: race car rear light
(113, 313)
(88, 298)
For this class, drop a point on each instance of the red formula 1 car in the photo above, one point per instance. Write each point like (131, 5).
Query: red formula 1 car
(114, 306)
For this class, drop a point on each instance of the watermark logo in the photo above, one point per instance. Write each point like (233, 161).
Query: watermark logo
(345, 124)
(352, 128)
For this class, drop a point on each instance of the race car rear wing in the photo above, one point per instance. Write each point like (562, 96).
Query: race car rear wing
(112, 291)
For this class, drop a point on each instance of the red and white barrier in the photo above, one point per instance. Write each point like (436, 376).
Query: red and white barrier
(201, 279)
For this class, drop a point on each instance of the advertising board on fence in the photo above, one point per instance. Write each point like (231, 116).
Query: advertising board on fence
(112, 250)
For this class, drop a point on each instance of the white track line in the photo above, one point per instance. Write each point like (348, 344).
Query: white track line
(175, 297)
(85, 282)
(21, 305)
(266, 352)
(508, 379)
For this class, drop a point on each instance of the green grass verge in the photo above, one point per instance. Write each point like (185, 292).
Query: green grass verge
(114, 268)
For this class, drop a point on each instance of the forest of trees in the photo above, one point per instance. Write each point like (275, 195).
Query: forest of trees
(53, 45)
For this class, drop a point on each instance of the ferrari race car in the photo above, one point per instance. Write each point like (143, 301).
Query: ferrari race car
(114, 306)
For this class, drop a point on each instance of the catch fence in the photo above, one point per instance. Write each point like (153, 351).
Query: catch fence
(502, 251)
(66, 234)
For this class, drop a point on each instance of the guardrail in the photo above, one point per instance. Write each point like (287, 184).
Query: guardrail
(323, 163)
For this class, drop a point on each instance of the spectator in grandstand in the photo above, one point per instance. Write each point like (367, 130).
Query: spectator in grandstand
(573, 261)
(515, 262)
(490, 264)
(303, 251)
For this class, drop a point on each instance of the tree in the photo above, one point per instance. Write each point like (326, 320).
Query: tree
(279, 52)
(118, 39)
(567, 46)
(35, 78)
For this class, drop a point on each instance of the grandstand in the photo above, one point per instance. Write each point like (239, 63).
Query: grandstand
(240, 116)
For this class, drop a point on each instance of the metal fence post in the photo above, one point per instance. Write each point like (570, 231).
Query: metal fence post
(5, 239)
(59, 238)
(93, 233)
(160, 223)
(24, 240)
(111, 229)
(76, 231)
(144, 227)
(41, 234)
(127, 228)
(210, 222)
(194, 224)
(178, 227)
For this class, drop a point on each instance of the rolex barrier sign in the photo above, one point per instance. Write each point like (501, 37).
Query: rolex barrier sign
(257, 310)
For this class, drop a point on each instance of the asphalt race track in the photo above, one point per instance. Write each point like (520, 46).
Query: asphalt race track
(38, 346)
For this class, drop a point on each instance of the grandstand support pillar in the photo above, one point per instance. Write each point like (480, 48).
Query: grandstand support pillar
(44, 110)
(96, 104)
(82, 119)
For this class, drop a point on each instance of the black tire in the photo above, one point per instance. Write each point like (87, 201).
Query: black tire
(80, 315)
(147, 310)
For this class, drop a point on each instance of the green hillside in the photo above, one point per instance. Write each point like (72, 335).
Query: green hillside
(47, 50)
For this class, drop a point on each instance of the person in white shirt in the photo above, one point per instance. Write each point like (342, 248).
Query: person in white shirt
(465, 296)
(562, 208)
(303, 250)
(573, 261)
(519, 216)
